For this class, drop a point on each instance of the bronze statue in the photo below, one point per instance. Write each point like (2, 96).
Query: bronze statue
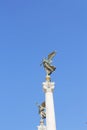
(42, 110)
(47, 63)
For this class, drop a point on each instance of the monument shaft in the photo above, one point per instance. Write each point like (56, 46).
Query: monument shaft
(50, 113)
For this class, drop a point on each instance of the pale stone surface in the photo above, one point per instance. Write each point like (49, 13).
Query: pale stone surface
(48, 88)
(41, 126)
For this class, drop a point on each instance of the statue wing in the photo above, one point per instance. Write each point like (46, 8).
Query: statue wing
(43, 104)
(51, 55)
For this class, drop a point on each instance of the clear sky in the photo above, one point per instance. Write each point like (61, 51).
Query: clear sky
(29, 31)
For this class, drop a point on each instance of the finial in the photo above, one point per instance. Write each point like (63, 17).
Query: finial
(48, 78)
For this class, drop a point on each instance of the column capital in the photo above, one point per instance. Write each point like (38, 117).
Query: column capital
(48, 86)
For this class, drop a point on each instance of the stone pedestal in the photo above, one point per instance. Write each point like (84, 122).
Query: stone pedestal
(48, 88)
(41, 126)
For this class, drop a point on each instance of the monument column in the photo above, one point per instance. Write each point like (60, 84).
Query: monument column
(48, 88)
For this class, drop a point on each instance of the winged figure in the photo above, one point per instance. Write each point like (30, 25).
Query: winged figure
(47, 63)
(42, 110)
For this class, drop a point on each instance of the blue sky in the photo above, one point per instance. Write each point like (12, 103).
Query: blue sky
(29, 30)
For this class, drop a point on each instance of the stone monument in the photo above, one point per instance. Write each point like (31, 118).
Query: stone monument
(46, 109)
